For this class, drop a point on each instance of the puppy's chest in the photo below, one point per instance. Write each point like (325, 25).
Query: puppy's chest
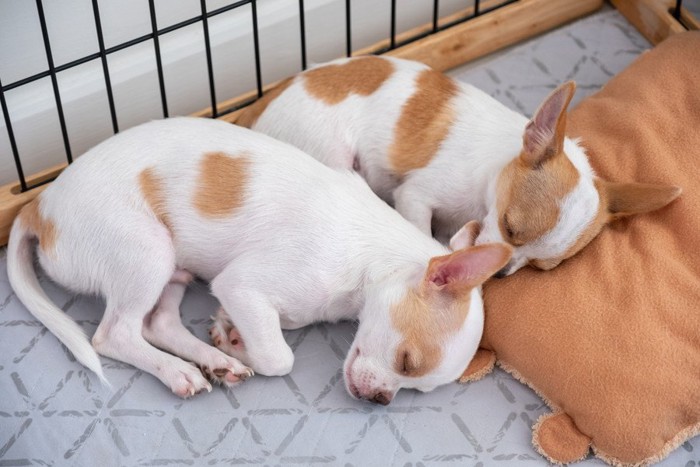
(331, 306)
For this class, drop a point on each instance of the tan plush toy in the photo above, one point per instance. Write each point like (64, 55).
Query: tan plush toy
(611, 338)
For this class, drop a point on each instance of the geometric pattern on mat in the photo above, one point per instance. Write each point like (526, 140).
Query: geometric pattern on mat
(54, 412)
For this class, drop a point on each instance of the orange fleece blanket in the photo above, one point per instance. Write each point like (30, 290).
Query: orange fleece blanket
(611, 338)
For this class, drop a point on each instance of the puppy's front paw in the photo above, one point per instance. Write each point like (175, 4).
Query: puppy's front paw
(188, 381)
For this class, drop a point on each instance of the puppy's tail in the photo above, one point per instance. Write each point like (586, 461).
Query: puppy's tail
(24, 281)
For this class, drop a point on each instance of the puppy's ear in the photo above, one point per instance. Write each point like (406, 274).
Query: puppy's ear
(626, 199)
(465, 236)
(467, 268)
(544, 134)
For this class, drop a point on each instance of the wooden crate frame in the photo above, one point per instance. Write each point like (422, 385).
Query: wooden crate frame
(443, 50)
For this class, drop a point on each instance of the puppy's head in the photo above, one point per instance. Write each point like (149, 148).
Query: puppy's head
(547, 202)
(420, 328)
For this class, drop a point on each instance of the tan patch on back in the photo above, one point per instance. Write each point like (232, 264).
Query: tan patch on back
(528, 199)
(425, 121)
(250, 114)
(334, 83)
(44, 229)
(152, 189)
(221, 185)
(425, 318)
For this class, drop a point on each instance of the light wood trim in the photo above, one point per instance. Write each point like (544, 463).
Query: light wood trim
(428, 27)
(383, 44)
(689, 20)
(466, 41)
(491, 32)
(443, 50)
(236, 101)
(12, 199)
(651, 17)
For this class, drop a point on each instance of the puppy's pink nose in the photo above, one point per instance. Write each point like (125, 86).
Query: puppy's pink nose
(382, 398)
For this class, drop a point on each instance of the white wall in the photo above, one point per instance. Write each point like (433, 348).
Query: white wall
(71, 28)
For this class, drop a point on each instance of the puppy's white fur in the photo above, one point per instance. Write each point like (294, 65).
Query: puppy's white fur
(461, 180)
(307, 244)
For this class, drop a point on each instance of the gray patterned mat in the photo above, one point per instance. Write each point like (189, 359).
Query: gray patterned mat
(53, 412)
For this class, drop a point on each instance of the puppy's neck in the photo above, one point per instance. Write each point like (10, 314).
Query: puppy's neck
(391, 256)
(366, 242)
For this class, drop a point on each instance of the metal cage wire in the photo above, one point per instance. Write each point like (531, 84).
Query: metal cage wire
(155, 34)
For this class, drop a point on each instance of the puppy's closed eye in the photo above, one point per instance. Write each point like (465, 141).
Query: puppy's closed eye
(406, 366)
(408, 363)
(507, 227)
(512, 235)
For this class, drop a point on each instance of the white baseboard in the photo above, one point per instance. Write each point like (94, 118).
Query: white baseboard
(134, 77)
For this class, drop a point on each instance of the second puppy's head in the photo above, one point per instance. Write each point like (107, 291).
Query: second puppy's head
(421, 326)
(548, 204)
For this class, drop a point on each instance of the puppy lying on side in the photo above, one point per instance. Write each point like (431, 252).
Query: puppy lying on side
(285, 242)
(443, 152)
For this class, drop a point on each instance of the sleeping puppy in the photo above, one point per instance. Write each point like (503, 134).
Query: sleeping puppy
(443, 152)
(284, 240)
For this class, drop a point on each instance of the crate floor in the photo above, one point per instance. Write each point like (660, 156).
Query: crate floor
(54, 412)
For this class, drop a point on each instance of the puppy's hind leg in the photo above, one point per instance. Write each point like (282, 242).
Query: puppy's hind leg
(164, 329)
(119, 337)
(132, 288)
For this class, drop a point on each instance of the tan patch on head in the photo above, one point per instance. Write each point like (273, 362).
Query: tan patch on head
(152, 189)
(221, 185)
(602, 217)
(334, 83)
(250, 114)
(528, 198)
(426, 119)
(585, 237)
(425, 317)
(44, 229)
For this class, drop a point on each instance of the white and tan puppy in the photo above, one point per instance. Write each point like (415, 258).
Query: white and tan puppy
(285, 242)
(443, 152)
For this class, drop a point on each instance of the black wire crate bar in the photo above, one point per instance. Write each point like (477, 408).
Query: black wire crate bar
(482, 27)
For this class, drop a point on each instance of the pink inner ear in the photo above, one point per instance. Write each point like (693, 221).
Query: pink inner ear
(470, 267)
(438, 279)
(536, 138)
(541, 130)
(449, 271)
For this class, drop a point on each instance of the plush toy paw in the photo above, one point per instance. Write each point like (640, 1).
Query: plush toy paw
(481, 365)
(556, 437)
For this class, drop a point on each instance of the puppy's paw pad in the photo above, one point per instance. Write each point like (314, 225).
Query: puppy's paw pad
(235, 339)
(225, 336)
(216, 335)
(230, 377)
